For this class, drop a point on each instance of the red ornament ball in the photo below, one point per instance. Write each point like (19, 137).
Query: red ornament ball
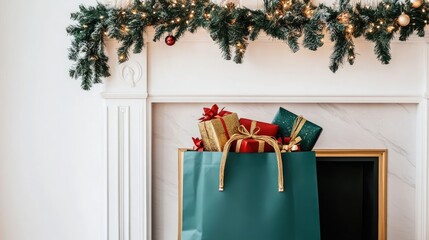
(170, 40)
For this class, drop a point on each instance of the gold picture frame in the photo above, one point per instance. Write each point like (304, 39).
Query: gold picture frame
(381, 154)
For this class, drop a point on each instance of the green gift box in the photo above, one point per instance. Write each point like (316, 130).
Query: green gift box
(308, 131)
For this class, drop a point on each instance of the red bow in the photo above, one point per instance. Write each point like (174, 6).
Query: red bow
(198, 144)
(213, 112)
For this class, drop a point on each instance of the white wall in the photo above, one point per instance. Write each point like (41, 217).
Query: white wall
(51, 166)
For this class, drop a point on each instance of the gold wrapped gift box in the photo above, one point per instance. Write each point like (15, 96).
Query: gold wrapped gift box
(216, 132)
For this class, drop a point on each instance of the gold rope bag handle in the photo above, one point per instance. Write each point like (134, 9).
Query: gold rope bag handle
(244, 134)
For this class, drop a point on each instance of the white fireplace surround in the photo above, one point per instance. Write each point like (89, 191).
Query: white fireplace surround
(142, 92)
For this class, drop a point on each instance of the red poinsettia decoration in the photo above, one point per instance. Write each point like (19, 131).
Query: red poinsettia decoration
(198, 144)
(213, 112)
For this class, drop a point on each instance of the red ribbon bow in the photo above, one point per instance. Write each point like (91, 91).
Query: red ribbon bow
(213, 112)
(198, 144)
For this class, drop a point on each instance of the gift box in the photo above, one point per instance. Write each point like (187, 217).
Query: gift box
(291, 125)
(252, 145)
(266, 129)
(217, 127)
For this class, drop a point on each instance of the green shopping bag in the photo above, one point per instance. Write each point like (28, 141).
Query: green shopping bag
(251, 205)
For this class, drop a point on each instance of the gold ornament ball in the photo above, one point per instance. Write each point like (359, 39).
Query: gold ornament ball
(403, 19)
(416, 3)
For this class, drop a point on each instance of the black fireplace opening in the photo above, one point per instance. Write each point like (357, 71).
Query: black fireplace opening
(348, 197)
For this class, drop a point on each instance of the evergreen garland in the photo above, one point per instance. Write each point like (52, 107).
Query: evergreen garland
(233, 27)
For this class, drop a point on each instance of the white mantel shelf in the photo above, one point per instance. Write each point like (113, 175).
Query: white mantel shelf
(265, 99)
(164, 75)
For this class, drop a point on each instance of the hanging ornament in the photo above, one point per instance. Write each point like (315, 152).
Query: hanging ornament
(403, 19)
(416, 3)
(170, 40)
(344, 18)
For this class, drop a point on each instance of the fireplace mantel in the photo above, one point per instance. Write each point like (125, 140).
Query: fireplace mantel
(192, 71)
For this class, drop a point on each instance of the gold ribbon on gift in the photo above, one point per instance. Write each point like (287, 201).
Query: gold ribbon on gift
(244, 134)
(294, 138)
(261, 144)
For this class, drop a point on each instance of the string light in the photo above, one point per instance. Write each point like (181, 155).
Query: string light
(308, 12)
(349, 28)
(101, 17)
(85, 26)
(390, 28)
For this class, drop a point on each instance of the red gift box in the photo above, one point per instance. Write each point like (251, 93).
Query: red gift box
(267, 129)
(252, 145)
